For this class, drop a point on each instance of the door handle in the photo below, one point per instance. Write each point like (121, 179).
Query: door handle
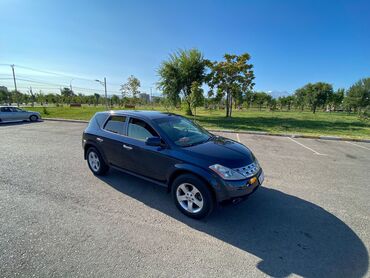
(127, 147)
(99, 139)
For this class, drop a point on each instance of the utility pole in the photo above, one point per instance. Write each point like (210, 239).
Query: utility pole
(15, 82)
(151, 97)
(106, 95)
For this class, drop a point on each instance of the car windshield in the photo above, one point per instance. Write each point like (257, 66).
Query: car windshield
(182, 131)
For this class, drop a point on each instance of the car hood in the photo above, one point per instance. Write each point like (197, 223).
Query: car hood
(220, 150)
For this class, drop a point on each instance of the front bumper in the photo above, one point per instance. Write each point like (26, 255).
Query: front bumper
(229, 190)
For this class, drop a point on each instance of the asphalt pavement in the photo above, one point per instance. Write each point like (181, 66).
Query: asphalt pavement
(310, 219)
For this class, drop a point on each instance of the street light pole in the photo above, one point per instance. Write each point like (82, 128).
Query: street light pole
(105, 90)
(106, 95)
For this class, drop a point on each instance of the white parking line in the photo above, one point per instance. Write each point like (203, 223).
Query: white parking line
(358, 145)
(308, 148)
(237, 137)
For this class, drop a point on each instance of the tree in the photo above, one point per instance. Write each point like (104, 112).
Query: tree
(285, 102)
(115, 100)
(96, 99)
(336, 99)
(196, 97)
(131, 88)
(4, 95)
(300, 98)
(231, 77)
(178, 73)
(260, 98)
(315, 94)
(358, 95)
(67, 95)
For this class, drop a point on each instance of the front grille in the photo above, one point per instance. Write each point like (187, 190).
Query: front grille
(249, 170)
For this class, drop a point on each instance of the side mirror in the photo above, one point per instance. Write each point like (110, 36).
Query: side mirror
(153, 141)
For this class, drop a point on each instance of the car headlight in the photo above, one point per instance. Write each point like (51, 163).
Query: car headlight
(226, 173)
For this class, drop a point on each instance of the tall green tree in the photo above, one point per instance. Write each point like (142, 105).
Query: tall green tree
(315, 94)
(358, 95)
(96, 99)
(300, 98)
(336, 99)
(231, 77)
(4, 95)
(131, 89)
(196, 97)
(261, 98)
(115, 100)
(67, 95)
(178, 73)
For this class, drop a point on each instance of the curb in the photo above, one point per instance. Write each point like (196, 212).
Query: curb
(332, 138)
(65, 120)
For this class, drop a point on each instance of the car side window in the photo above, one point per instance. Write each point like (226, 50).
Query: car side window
(116, 124)
(140, 130)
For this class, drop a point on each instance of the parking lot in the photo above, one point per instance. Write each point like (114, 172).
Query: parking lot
(310, 219)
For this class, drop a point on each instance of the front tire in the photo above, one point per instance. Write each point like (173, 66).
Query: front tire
(33, 118)
(192, 196)
(96, 162)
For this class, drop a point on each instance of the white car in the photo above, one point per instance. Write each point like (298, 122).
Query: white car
(12, 114)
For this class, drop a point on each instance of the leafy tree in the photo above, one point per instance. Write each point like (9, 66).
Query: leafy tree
(96, 99)
(231, 77)
(178, 73)
(249, 98)
(358, 95)
(196, 97)
(4, 95)
(336, 99)
(261, 98)
(67, 95)
(285, 102)
(315, 94)
(131, 88)
(115, 100)
(300, 98)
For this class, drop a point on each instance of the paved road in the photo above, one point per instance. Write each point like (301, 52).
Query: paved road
(310, 219)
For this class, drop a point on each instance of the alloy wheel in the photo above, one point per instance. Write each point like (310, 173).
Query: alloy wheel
(94, 161)
(189, 197)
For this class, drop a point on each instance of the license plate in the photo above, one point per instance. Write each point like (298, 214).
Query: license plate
(261, 178)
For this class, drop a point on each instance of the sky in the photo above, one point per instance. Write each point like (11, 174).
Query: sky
(291, 42)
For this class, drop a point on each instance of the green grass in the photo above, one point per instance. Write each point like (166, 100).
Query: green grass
(321, 123)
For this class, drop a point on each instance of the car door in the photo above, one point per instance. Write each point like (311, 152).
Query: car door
(6, 114)
(112, 139)
(149, 161)
(19, 114)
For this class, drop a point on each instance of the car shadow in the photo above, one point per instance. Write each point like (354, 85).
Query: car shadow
(17, 123)
(289, 235)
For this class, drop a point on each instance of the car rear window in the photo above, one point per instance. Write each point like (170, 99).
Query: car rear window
(116, 124)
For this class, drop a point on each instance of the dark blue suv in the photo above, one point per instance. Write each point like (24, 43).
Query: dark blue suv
(198, 168)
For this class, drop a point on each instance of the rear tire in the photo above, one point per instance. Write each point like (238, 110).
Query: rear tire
(96, 162)
(33, 118)
(192, 196)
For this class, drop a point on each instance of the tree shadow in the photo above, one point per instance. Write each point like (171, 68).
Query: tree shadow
(289, 235)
